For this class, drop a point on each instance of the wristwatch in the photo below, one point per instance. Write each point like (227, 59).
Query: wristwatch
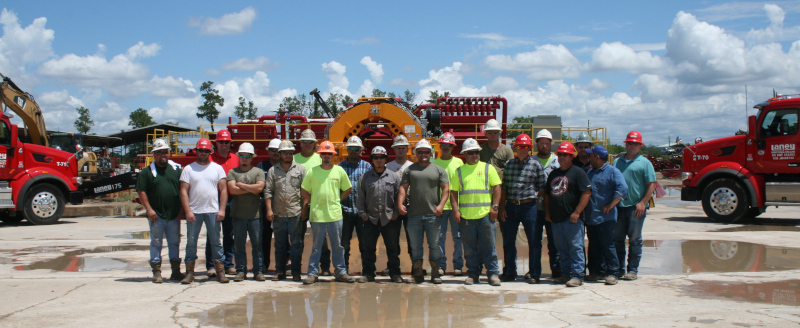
(496, 207)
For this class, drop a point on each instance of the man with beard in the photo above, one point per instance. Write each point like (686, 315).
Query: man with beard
(246, 183)
(449, 163)
(355, 167)
(549, 162)
(583, 143)
(266, 227)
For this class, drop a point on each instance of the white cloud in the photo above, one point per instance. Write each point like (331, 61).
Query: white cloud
(496, 40)
(140, 50)
(247, 64)
(22, 47)
(568, 38)
(338, 82)
(502, 84)
(233, 23)
(648, 46)
(617, 56)
(547, 62)
(775, 32)
(375, 69)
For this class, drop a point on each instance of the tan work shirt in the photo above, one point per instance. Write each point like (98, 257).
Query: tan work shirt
(283, 187)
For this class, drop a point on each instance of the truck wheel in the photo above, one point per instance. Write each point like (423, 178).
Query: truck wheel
(44, 204)
(725, 201)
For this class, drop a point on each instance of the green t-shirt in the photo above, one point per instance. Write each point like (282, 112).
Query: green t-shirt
(638, 173)
(497, 157)
(163, 190)
(308, 162)
(474, 179)
(545, 161)
(326, 187)
(246, 206)
(450, 167)
(424, 187)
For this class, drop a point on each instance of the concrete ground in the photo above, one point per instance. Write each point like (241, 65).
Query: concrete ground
(93, 271)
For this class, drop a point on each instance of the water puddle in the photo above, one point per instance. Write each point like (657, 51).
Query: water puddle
(134, 235)
(694, 256)
(77, 261)
(366, 305)
(777, 292)
(749, 228)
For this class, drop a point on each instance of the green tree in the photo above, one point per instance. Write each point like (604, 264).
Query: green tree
(346, 101)
(616, 149)
(519, 119)
(245, 111)
(409, 96)
(84, 122)
(378, 93)
(334, 102)
(208, 109)
(140, 118)
(435, 95)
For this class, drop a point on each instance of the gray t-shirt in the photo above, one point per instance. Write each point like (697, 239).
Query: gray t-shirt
(246, 206)
(424, 187)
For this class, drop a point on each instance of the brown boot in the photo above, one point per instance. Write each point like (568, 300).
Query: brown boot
(176, 270)
(220, 268)
(436, 278)
(156, 272)
(189, 273)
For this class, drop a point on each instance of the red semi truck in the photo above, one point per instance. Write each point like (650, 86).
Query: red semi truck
(738, 177)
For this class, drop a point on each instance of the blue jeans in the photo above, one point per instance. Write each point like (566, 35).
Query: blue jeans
(212, 230)
(602, 254)
(288, 231)
(478, 237)
(535, 244)
(516, 214)
(569, 242)
(333, 230)
(172, 229)
(458, 249)
(428, 225)
(227, 240)
(241, 229)
(629, 226)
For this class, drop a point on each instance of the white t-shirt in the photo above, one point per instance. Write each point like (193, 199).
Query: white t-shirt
(203, 183)
(397, 168)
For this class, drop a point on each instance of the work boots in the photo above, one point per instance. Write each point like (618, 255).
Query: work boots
(220, 268)
(436, 273)
(156, 272)
(189, 273)
(416, 272)
(176, 270)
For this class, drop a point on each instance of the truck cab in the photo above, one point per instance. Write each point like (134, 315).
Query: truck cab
(739, 176)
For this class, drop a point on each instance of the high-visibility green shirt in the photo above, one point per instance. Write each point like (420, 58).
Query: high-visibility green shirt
(471, 203)
(325, 187)
(308, 162)
(450, 167)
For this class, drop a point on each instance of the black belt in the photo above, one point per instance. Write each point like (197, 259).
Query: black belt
(520, 202)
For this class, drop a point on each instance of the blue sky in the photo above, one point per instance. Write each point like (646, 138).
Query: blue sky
(665, 68)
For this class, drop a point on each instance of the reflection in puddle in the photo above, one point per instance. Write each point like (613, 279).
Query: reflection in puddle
(73, 261)
(135, 235)
(366, 305)
(777, 292)
(694, 256)
(759, 228)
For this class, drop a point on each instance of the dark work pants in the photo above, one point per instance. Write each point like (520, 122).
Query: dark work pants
(266, 239)
(536, 249)
(516, 214)
(602, 258)
(391, 239)
(351, 222)
(227, 241)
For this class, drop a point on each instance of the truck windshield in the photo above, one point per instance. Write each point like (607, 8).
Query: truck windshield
(779, 122)
(66, 142)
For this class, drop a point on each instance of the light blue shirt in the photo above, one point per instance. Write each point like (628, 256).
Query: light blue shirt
(638, 174)
(607, 184)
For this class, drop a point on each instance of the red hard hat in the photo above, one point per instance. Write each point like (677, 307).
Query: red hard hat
(566, 148)
(204, 144)
(634, 136)
(223, 135)
(448, 138)
(326, 147)
(523, 140)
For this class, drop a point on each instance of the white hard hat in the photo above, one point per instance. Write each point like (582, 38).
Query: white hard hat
(246, 148)
(378, 150)
(423, 143)
(400, 140)
(308, 135)
(354, 141)
(274, 144)
(492, 125)
(543, 133)
(286, 145)
(470, 144)
(160, 144)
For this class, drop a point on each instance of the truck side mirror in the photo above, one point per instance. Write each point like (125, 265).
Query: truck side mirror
(14, 136)
(753, 133)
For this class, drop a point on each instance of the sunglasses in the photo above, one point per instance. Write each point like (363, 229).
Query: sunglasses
(472, 152)
(248, 156)
(353, 148)
(563, 155)
(287, 152)
(443, 145)
(633, 144)
(492, 132)
(524, 147)
(424, 152)
(160, 152)
(272, 150)
(223, 142)
(307, 142)
(203, 151)
(582, 146)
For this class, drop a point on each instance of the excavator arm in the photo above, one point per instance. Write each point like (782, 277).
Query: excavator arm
(23, 104)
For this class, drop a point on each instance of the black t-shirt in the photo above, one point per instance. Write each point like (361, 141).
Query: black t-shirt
(565, 189)
(577, 162)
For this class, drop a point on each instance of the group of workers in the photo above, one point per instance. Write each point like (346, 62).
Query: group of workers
(567, 195)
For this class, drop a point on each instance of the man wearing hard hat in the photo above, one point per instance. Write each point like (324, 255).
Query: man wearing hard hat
(310, 159)
(266, 228)
(398, 166)
(355, 168)
(475, 197)
(158, 190)
(549, 161)
(449, 163)
(583, 143)
(245, 184)
(228, 160)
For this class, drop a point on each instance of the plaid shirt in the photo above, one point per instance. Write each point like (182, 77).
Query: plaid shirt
(354, 172)
(523, 180)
